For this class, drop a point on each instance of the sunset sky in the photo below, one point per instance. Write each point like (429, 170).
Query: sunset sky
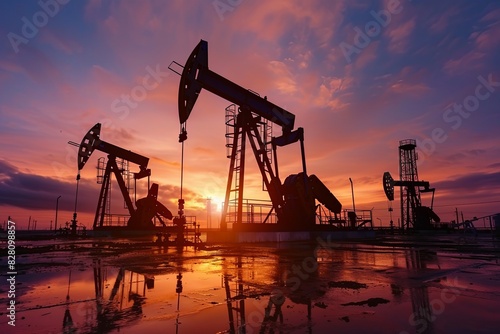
(359, 75)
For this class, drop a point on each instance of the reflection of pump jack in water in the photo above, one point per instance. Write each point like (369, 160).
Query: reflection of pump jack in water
(118, 310)
(178, 290)
(240, 310)
(236, 306)
(238, 299)
(277, 301)
(272, 312)
(423, 313)
(68, 325)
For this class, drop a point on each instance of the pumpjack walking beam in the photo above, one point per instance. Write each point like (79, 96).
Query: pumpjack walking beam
(196, 76)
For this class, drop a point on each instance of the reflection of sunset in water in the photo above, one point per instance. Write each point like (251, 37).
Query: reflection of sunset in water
(294, 288)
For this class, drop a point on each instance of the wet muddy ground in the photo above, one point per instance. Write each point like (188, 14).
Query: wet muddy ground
(394, 284)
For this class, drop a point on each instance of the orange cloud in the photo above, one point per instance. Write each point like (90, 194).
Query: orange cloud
(284, 81)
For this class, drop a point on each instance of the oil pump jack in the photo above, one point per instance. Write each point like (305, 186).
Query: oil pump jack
(147, 208)
(292, 201)
(413, 213)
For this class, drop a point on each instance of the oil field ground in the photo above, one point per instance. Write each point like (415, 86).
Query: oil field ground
(392, 284)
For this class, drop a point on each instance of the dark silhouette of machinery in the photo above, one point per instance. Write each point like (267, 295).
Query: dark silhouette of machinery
(122, 305)
(293, 201)
(413, 213)
(141, 217)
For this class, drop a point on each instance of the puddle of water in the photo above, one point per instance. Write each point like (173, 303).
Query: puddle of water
(349, 288)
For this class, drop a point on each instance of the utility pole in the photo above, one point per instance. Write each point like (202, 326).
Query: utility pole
(352, 192)
(57, 209)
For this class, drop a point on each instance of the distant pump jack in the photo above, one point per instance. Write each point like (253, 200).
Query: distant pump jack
(147, 208)
(413, 214)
